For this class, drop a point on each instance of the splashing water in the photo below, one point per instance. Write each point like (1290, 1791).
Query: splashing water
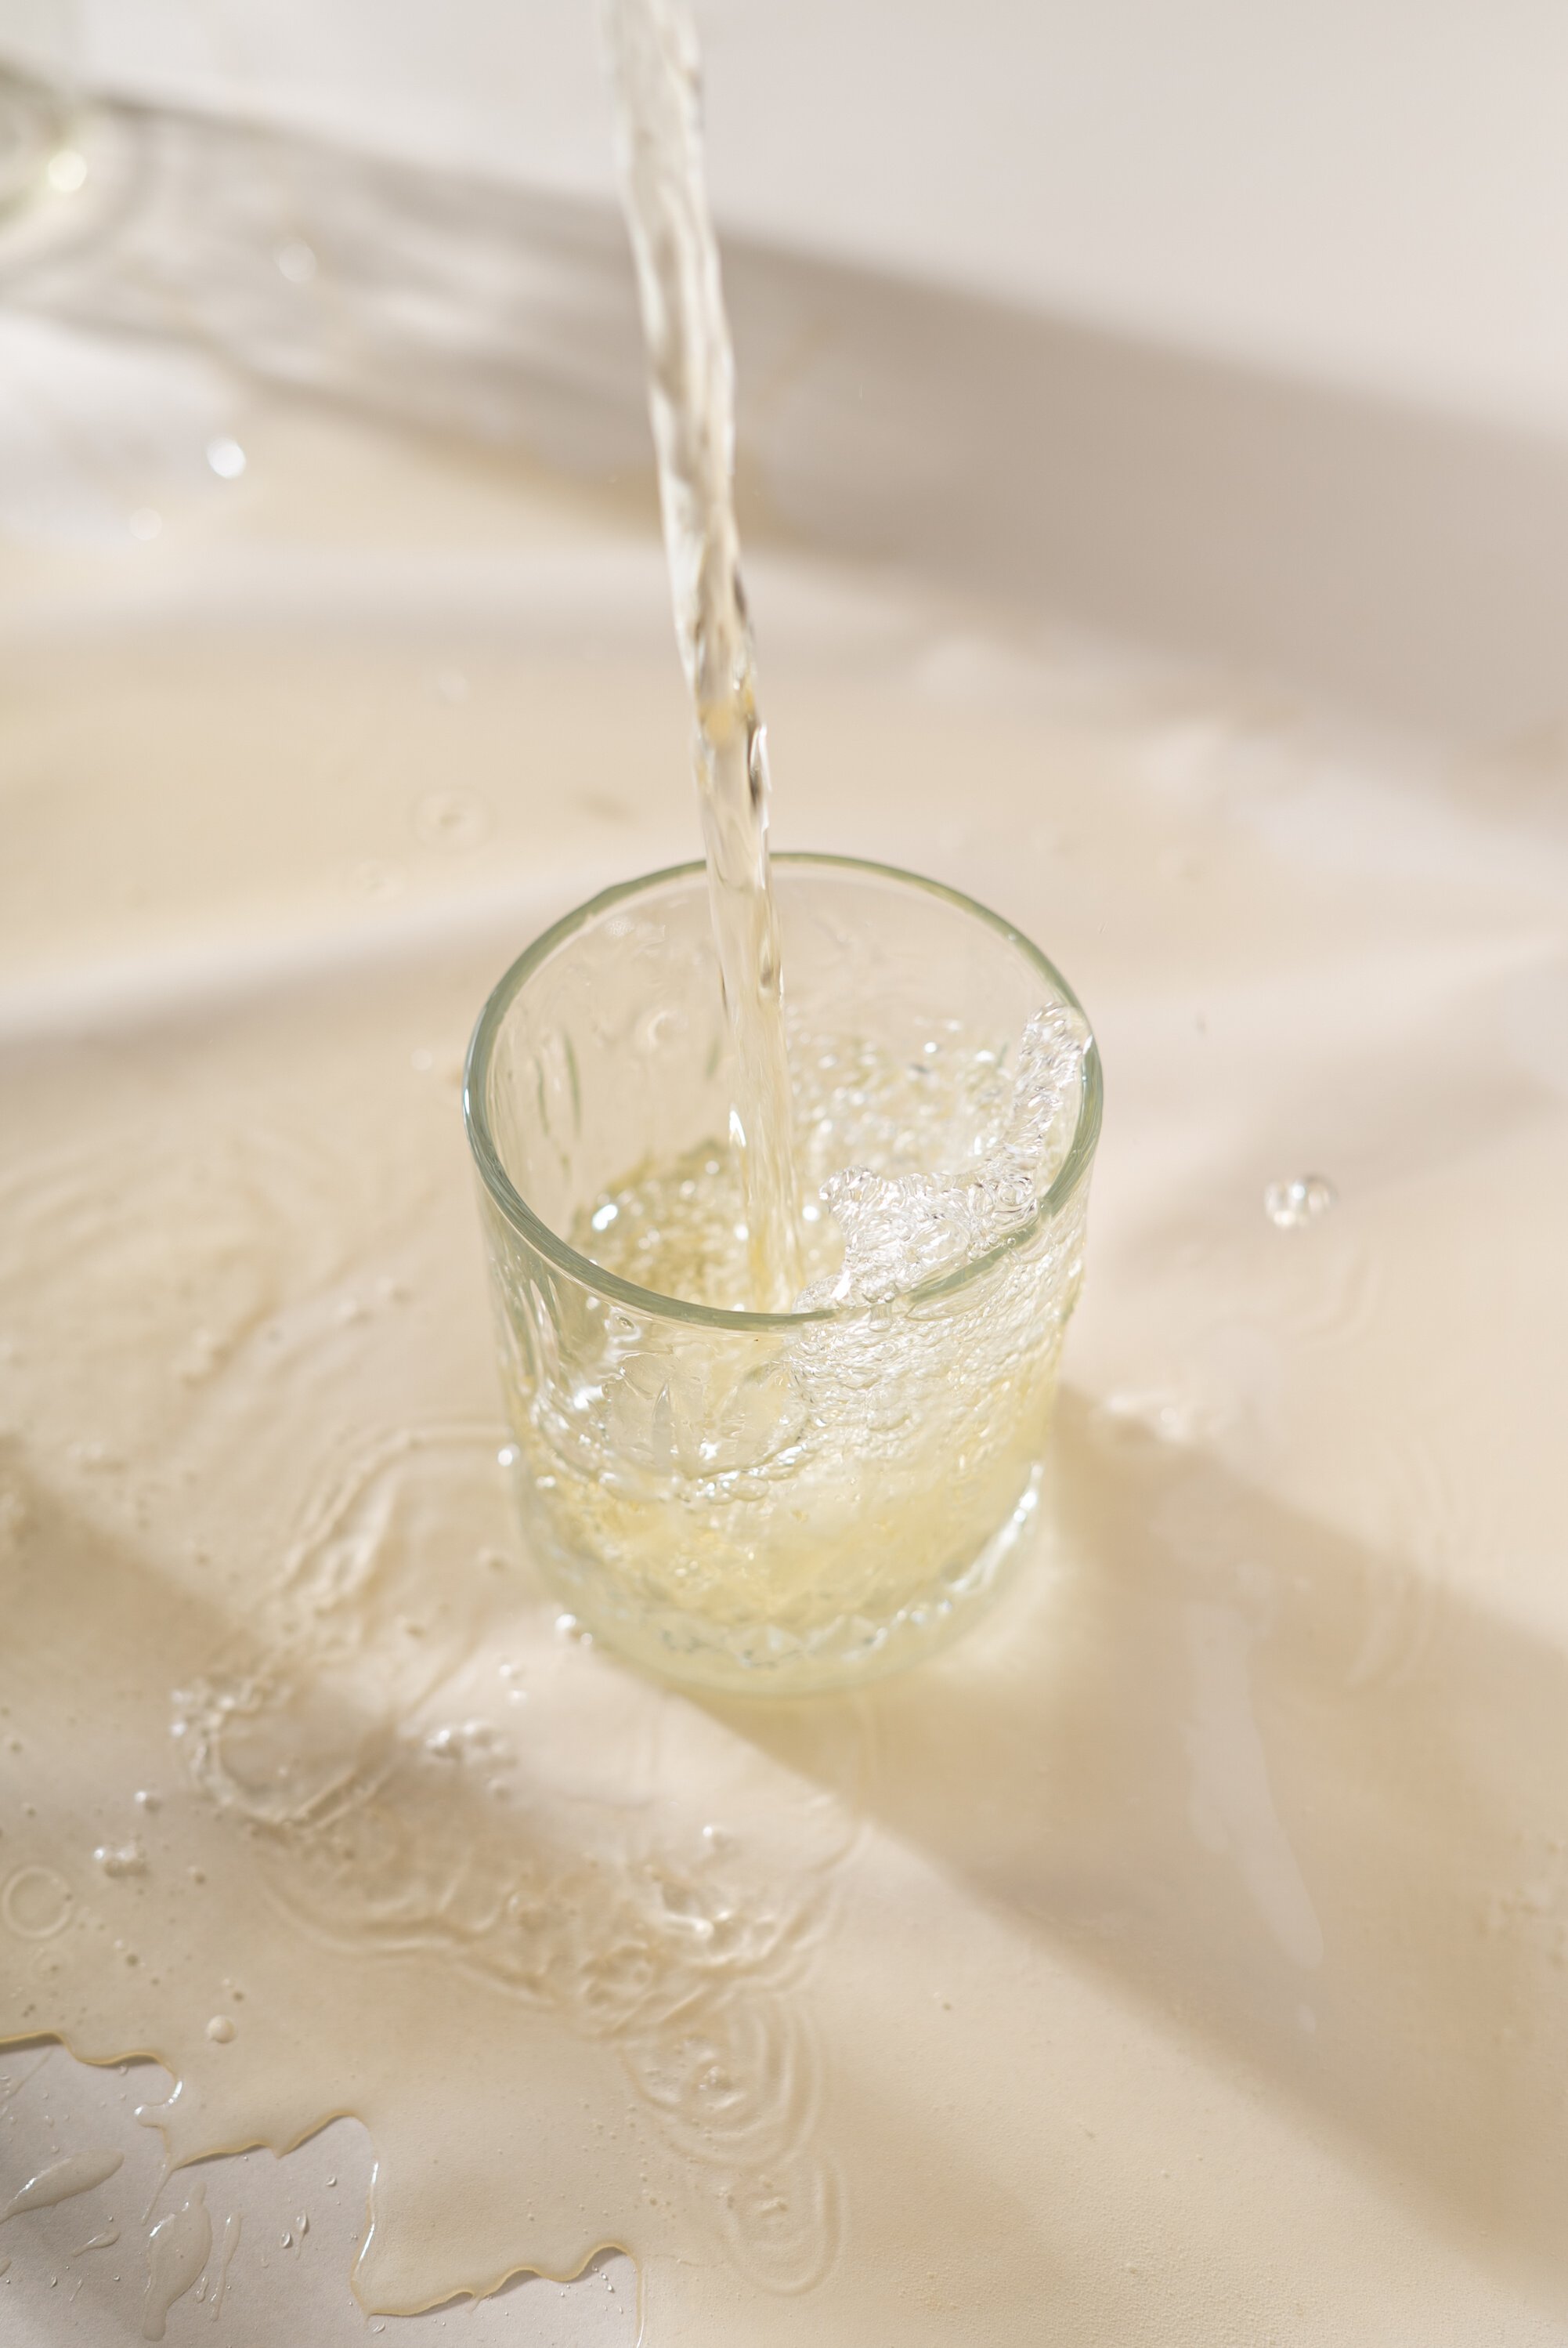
(656, 74)
(900, 1230)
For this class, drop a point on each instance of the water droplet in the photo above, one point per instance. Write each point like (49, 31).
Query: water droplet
(227, 458)
(145, 523)
(1164, 1413)
(232, 2226)
(177, 2251)
(146, 1799)
(453, 818)
(67, 171)
(1291, 1205)
(371, 877)
(79, 2172)
(220, 2030)
(296, 261)
(121, 1858)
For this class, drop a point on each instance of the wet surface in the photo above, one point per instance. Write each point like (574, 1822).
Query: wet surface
(1180, 1959)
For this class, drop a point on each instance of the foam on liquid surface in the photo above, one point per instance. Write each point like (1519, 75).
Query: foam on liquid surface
(909, 1166)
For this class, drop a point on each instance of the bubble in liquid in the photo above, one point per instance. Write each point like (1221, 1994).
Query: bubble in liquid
(901, 1230)
(220, 2030)
(36, 1902)
(1305, 1198)
(227, 458)
(121, 1858)
(296, 261)
(144, 524)
(66, 171)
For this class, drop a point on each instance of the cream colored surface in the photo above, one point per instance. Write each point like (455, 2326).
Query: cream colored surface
(1359, 191)
(1178, 1961)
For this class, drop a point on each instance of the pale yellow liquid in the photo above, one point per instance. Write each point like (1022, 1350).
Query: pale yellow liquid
(791, 1512)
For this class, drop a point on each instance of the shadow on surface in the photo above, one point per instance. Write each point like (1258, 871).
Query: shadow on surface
(1407, 560)
(407, 1947)
(1277, 1787)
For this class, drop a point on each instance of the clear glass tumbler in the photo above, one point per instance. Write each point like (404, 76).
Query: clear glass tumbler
(763, 1501)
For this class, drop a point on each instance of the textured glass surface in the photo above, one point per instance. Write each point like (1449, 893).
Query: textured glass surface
(770, 1501)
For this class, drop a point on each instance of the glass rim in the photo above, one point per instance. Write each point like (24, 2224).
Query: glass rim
(651, 1302)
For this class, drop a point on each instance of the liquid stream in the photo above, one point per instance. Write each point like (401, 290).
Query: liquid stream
(909, 1167)
(656, 73)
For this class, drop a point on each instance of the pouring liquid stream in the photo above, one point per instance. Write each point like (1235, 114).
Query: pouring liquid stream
(655, 74)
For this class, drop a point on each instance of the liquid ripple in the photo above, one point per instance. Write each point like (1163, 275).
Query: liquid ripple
(427, 1763)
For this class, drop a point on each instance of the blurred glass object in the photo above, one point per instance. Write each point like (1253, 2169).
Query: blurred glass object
(39, 152)
(35, 150)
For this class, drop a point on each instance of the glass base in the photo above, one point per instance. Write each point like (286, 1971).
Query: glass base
(761, 1659)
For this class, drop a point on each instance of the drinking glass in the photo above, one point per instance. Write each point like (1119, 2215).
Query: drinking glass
(763, 1501)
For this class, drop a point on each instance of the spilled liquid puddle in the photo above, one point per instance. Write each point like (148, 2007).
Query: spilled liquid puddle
(380, 1832)
(408, 1802)
(78, 2172)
